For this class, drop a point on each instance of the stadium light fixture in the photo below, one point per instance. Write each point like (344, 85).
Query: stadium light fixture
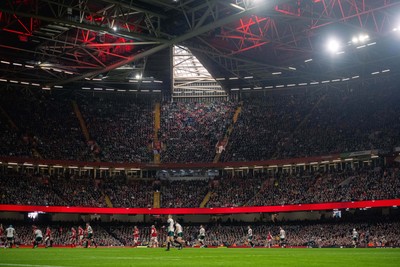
(362, 38)
(333, 45)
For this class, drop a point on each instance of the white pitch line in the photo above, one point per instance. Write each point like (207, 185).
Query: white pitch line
(28, 265)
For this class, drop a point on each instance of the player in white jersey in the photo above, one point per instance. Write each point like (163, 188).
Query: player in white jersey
(282, 237)
(10, 235)
(250, 236)
(170, 232)
(179, 235)
(90, 236)
(202, 236)
(38, 236)
(354, 236)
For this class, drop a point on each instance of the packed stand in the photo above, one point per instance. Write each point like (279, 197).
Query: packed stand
(331, 126)
(183, 193)
(46, 123)
(235, 191)
(123, 193)
(331, 186)
(122, 127)
(265, 123)
(190, 131)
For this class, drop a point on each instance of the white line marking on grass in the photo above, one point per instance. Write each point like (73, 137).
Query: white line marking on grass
(28, 265)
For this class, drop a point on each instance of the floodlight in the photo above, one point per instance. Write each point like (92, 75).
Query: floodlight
(333, 45)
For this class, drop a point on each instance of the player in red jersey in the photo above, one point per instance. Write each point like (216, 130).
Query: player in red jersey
(135, 236)
(269, 240)
(153, 237)
(80, 234)
(47, 237)
(72, 238)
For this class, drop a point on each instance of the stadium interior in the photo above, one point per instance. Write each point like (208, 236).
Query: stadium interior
(226, 113)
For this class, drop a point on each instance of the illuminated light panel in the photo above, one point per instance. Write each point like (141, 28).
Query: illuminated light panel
(361, 46)
(248, 77)
(86, 88)
(236, 6)
(257, 88)
(68, 72)
(246, 88)
(374, 43)
(277, 73)
(308, 60)
(98, 89)
(375, 72)
(35, 84)
(58, 86)
(302, 84)
(280, 86)
(26, 83)
(157, 91)
(145, 90)
(269, 87)
(336, 80)
(146, 81)
(5, 62)
(133, 90)
(97, 79)
(46, 88)
(292, 68)
(235, 89)
(333, 45)
(345, 79)
(385, 70)
(327, 81)
(13, 81)
(233, 78)
(121, 90)
(17, 64)
(355, 77)
(3, 80)
(29, 66)
(291, 85)
(57, 70)
(217, 79)
(156, 81)
(340, 52)
(133, 81)
(109, 89)
(314, 83)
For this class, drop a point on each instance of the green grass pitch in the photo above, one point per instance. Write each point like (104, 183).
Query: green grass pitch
(59, 257)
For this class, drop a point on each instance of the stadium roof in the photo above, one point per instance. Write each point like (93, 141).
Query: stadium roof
(244, 44)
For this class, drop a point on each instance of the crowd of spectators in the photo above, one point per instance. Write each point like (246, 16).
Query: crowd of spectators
(190, 131)
(312, 123)
(226, 191)
(235, 190)
(122, 127)
(183, 193)
(278, 125)
(45, 123)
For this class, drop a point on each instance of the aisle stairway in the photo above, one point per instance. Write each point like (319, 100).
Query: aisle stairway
(225, 140)
(108, 201)
(157, 126)
(157, 199)
(82, 122)
(206, 199)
